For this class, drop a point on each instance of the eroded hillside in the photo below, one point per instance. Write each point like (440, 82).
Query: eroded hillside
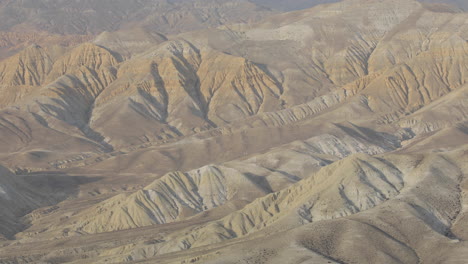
(332, 134)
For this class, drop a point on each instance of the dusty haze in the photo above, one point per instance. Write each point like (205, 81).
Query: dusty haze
(233, 131)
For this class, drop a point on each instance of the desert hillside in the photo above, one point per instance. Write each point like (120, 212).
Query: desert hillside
(68, 23)
(232, 131)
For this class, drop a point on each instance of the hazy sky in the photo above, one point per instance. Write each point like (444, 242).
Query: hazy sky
(301, 4)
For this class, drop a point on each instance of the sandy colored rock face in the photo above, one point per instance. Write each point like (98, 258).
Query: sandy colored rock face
(227, 132)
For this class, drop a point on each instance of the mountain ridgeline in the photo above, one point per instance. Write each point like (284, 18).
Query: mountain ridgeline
(231, 131)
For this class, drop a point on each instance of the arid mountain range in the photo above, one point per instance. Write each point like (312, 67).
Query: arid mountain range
(228, 131)
(68, 23)
(93, 17)
(291, 5)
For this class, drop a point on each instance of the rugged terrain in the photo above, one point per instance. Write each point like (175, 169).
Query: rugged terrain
(336, 134)
(94, 17)
(68, 23)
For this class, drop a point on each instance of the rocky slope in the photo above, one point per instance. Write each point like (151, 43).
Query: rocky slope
(177, 196)
(360, 192)
(332, 134)
(179, 87)
(323, 196)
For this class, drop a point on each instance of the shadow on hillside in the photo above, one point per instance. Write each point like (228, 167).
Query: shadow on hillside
(58, 185)
(46, 189)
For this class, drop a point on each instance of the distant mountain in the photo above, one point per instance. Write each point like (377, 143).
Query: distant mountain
(335, 134)
(88, 95)
(93, 17)
(290, 5)
(463, 4)
(70, 22)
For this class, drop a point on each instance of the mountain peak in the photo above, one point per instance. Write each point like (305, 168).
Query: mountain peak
(165, 133)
